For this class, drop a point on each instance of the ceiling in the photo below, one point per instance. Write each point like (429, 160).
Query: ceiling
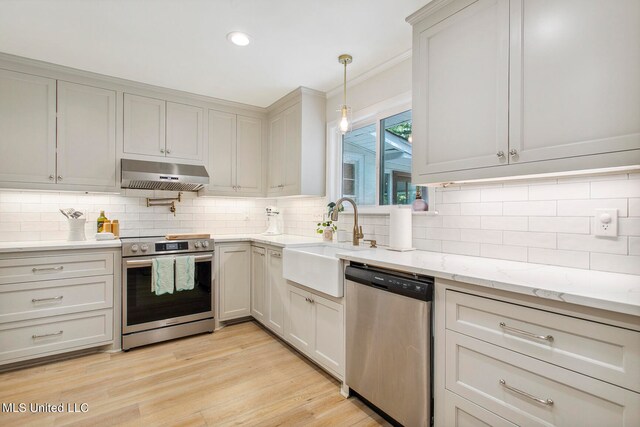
(181, 44)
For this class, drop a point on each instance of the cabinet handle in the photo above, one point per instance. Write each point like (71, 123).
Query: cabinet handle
(168, 151)
(309, 300)
(525, 333)
(162, 150)
(46, 335)
(238, 187)
(234, 188)
(59, 177)
(500, 154)
(36, 269)
(51, 177)
(547, 402)
(47, 299)
(513, 152)
(276, 254)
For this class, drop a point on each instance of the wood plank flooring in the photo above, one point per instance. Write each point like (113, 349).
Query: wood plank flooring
(240, 375)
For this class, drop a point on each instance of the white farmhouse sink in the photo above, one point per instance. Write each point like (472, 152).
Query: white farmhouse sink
(317, 267)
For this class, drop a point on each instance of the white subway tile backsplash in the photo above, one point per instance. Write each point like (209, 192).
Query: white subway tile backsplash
(615, 263)
(634, 207)
(588, 207)
(536, 208)
(461, 222)
(483, 208)
(504, 194)
(559, 191)
(461, 196)
(580, 225)
(442, 233)
(589, 243)
(428, 245)
(612, 189)
(512, 253)
(481, 236)
(561, 258)
(448, 208)
(529, 239)
(629, 226)
(461, 248)
(634, 245)
(515, 223)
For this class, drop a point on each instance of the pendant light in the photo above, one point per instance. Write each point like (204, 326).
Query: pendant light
(344, 125)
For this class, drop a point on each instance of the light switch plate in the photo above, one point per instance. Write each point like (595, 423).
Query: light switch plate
(606, 222)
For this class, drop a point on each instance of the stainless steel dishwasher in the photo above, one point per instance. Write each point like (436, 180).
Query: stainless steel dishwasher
(388, 348)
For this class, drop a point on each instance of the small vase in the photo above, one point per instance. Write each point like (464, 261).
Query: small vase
(327, 234)
(76, 229)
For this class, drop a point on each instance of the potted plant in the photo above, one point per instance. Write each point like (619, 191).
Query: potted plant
(327, 229)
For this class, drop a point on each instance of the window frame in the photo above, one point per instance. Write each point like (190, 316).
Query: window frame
(374, 114)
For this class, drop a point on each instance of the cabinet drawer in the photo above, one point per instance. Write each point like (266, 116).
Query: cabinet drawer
(497, 379)
(605, 352)
(54, 334)
(459, 412)
(21, 270)
(25, 301)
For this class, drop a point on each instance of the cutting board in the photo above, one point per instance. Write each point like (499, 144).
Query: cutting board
(186, 236)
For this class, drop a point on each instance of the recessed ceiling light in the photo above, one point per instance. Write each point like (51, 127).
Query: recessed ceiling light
(238, 38)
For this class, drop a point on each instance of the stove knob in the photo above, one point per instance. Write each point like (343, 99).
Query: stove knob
(134, 248)
(205, 244)
(197, 245)
(144, 248)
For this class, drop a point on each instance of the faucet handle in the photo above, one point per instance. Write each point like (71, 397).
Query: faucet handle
(360, 233)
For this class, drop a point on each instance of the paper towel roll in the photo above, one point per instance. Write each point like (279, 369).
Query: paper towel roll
(400, 233)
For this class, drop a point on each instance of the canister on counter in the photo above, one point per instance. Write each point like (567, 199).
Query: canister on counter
(115, 228)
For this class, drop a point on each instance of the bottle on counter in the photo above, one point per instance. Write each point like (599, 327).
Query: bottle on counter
(101, 220)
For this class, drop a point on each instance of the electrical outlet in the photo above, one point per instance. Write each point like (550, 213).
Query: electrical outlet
(606, 222)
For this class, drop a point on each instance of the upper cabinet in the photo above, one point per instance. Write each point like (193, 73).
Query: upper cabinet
(235, 155)
(80, 156)
(515, 87)
(163, 129)
(297, 145)
(28, 124)
(86, 135)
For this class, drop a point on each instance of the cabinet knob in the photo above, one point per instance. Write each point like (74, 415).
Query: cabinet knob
(168, 151)
(500, 154)
(238, 187)
(59, 177)
(235, 188)
(51, 177)
(513, 152)
(162, 150)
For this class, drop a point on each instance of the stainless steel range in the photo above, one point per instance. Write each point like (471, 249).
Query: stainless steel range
(148, 317)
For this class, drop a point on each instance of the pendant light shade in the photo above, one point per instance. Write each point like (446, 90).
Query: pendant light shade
(344, 120)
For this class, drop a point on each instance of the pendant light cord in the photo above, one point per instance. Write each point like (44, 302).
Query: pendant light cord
(345, 84)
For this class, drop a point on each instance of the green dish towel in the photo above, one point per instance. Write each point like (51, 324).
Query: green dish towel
(162, 275)
(185, 268)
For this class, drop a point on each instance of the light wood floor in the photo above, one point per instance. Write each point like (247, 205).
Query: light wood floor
(238, 375)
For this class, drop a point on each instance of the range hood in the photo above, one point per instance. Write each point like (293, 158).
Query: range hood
(145, 175)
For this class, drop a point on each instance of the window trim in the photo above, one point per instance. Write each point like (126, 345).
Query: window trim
(367, 116)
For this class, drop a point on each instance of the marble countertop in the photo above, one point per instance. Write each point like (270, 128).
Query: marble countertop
(52, 245)
(608, 291)
(281, 240)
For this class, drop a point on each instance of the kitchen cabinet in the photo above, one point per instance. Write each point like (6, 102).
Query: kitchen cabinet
(315, 326)
(500, 88)
(28, 123)
(56, 303)
(234, 281)
(163, 129)
(235, 160)
(258, 283)
(508, 359)
(50, 131)
(275, 292)
(297, 138)
(86, 136)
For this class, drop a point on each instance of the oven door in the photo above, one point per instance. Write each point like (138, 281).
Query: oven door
(143, 310)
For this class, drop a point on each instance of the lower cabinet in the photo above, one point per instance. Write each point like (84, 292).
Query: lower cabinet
(503, 359)
(268, 295)
(258, 283)
(234, 280)
(315, 326)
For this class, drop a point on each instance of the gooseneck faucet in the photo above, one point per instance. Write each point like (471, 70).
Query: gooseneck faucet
(357, 231)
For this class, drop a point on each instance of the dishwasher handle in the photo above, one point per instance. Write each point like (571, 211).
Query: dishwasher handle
(417, 287)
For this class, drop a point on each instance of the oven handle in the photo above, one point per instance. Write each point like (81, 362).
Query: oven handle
(147, 262)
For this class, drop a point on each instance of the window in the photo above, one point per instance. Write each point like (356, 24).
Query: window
(377, 170)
